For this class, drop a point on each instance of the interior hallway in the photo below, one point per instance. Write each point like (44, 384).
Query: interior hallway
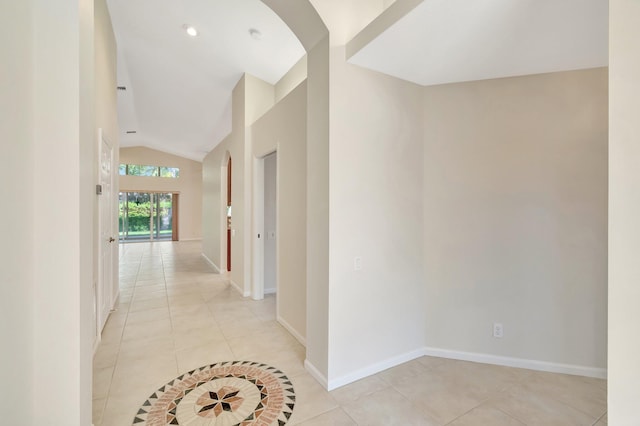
(175, 315)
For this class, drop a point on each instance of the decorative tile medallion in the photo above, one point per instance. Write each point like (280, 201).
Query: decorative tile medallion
(229, 393)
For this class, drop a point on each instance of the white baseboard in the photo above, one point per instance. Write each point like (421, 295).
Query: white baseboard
(374, 368)
(191, 239)
(269, 291)
(576, 370)
(210, 262)
(239, 290)
(315, 373)
(292, 330)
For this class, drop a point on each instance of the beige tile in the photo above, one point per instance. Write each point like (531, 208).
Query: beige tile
(106, 355)
(431, 361)
(152, 373)
(97, 409)
(140, 349)
(386, 407)
(102, 382)
(536, 408)
(583, 393)
(335, 417)
(145, 305)
(311, 399)
(144, 330)
(148, 315)
(188, 338)
(357, 390)
(206, 354)
(485, 415)
(290, 362)
(403, 371)
(481, 379)
(437, 396)
(120, 411)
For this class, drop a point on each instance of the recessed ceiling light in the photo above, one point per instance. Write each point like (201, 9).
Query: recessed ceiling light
(190, 30)
(255, 34)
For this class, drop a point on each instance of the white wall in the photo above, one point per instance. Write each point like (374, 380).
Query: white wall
(270, 229)
(17, 192)
(624, 212)
(376, 214)
(515, 219)
(63, 223)
(189, 185)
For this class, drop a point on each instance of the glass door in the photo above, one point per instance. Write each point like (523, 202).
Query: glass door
(163, 217)
(145, 216)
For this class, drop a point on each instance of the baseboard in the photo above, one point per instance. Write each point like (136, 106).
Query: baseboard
(315, 373)
(292, 330)
(374, 368)
(191, 239)
(551, 367)
(239, 290)
(96, 343)
(210, 262)
(270, 291)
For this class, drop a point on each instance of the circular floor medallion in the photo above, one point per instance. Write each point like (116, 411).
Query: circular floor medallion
(229, 393)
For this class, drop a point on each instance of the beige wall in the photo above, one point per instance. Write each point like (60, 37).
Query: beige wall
(515, 217)
(624, 212)
(317, 357)
(376, 214)
(296, 75)
(48, 173)
(284, 129)
(214, 199)
(189, 185)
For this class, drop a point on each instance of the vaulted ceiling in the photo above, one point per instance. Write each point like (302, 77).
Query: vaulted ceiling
(178, 87)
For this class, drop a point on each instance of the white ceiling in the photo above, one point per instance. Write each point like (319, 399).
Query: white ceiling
(178, 96)
(445, 41)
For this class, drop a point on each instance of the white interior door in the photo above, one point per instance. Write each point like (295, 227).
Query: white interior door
(105, 255)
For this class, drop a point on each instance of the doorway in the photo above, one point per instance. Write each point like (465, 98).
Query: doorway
(270, 223)
(265, 248)
(148, 216)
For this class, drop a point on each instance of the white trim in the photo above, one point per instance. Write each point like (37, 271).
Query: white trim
(96, 343)
(270, 291)
(292, 330)
(257, 243)
(210, 262)
(552, 367)
(374, 368)
(315, 373)
(190, 239)
(239, 290)
(116, 299)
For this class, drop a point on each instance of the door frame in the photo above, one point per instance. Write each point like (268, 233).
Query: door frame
(259, 233)
(104, 291)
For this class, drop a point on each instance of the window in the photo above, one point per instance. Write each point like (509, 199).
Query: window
(139, 170)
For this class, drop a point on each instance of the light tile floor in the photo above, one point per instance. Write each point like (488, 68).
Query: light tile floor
(175, 314)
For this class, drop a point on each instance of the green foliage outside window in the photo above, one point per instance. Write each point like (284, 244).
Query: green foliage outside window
(142, 170)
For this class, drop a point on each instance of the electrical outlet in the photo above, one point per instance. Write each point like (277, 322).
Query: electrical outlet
(357, 263)
(498, 331)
